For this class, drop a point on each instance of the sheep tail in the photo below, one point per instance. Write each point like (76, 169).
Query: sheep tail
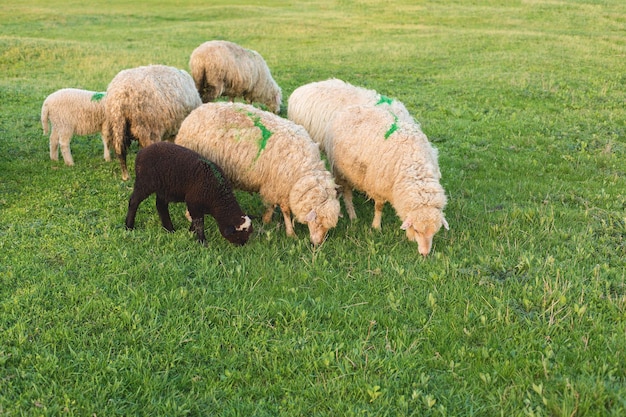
(44, 119)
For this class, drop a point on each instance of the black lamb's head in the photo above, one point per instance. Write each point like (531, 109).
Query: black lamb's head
(238, 234)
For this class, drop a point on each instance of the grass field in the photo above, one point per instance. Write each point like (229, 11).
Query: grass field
(519, 310)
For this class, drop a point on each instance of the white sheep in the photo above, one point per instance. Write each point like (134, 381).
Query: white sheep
(315, 104)
(72, 111)
(147, 104)
(372, 150)
(223, 68)
(262, 152)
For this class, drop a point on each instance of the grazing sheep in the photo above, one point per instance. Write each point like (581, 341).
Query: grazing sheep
(264, 153)
(178, 174)
(372, 150)
(222, 68)
(72, 111)
(147, 104)
(315, 104)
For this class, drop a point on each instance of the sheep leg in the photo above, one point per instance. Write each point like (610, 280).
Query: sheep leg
(267, 216)
(133, 204)
(196, 216)
(65, 149)
(197, 226)
(378, 214)
(122, 139)
(122, 158)
(287, 217)
(107, 154)
(347, 199)
(164, 213)
(210, 92)
(54, 145)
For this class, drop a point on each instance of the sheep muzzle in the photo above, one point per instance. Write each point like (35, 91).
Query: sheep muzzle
(245, 225)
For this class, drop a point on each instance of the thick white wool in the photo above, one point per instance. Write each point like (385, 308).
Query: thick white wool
(147, 104)
(222, 68)
(262, 152)
(314, 105)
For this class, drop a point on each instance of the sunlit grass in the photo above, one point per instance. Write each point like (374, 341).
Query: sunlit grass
(519, 309)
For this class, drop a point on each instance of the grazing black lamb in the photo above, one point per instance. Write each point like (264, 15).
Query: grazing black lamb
(178, 174)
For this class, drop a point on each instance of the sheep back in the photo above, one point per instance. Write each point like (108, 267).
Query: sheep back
(80, 111)
(223, 68)
(315, 104)
(147, 104)
(264, 153)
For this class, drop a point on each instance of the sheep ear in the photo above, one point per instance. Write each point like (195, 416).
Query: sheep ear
(229, 230)
(311, 216)
(445, 223)
(406, 224)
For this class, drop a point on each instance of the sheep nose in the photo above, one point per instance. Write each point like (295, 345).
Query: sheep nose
(423, 246)
(318, 238)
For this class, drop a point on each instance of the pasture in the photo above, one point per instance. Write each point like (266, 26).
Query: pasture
(520, 309)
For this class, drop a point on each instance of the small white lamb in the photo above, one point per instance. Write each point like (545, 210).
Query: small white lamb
(146, 104)
(223, 68)
(72, 111)
(373, 150)
(262, 152)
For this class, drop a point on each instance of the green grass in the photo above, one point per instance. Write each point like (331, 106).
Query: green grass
(519, 310)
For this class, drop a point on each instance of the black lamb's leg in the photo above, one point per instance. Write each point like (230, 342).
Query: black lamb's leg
(133, 204)
(197, 225)
(197, 220)
(164, 213)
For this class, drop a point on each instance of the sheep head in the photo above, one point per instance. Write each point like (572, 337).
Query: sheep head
(314, 202)
(239, 234)
(320, 224)
(421, 225)
(277, 100)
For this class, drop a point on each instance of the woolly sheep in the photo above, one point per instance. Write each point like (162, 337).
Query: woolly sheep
(72, 111)
(372, 150)
(147, 104)
(264, 153)
(222, 68)
(178, 174)
(315, 104)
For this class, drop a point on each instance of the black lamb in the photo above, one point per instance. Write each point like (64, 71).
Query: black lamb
(178, 174)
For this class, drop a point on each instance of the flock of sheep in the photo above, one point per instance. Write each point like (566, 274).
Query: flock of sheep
(370, 141)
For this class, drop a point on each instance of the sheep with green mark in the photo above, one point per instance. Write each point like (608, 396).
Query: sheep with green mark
(146, 104)
(262, 152)
(72, 111)
(177, 174)
(223, 68)
(396, 165)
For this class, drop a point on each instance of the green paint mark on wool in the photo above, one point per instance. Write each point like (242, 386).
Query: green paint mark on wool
(384, 100)
(265, 133)
(218, 174)
(393, 128)
(98, 96)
